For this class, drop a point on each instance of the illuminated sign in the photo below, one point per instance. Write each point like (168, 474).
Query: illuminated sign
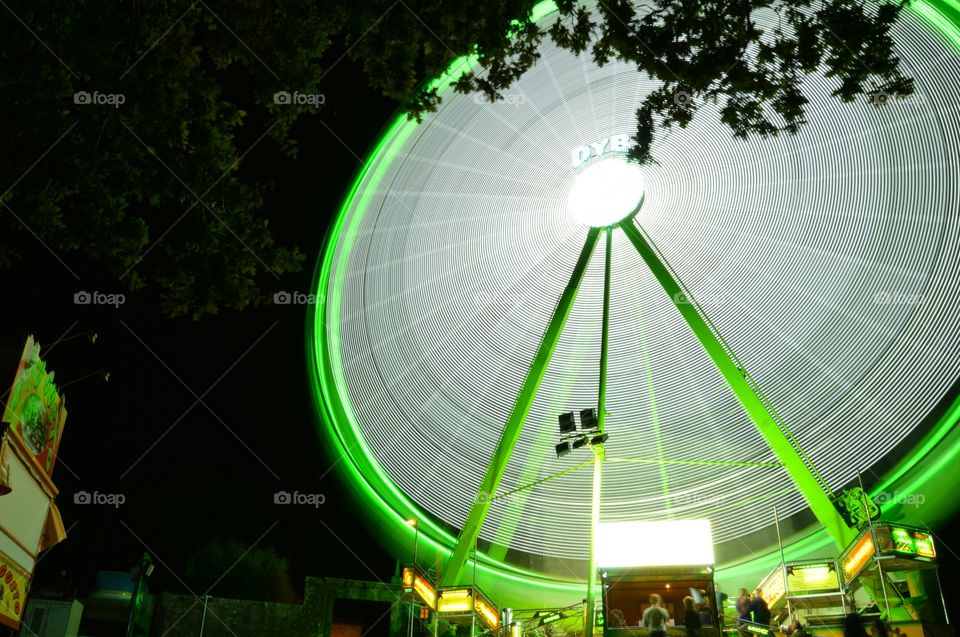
(857, 557)
(413, 580)
(548, 618)
(910, 542)
(613, 144)
(772, 588)
(455, 600)
(487, 612)
(663, 543)
(35, 410)
(819, 577)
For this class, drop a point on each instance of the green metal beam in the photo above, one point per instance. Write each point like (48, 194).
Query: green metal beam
(781, 442)
(511, 431)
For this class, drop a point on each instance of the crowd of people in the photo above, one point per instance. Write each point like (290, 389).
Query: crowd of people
(752, 611)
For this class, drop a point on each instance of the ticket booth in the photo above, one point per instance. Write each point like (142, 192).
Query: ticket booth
(627, 593)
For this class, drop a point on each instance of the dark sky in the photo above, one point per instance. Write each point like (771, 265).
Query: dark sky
(192, 471)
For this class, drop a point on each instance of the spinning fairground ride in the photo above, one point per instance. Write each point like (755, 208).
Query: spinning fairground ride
(520, 335)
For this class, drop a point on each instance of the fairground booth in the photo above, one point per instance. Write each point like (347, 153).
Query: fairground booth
(672, 559)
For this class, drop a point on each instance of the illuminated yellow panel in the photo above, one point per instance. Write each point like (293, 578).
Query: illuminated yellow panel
(455, 600)
(858, 556)
(812, 578)
(425, 590)
(487, 612)
(408, 577)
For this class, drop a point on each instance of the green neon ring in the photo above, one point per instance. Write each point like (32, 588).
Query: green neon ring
(390, 507)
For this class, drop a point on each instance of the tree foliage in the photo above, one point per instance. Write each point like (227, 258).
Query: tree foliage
(150, 189)
(227, 568)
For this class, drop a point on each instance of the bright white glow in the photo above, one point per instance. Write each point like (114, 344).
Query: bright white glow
(666, 543)
(606, 192)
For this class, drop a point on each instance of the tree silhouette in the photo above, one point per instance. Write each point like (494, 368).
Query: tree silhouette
(149, 188)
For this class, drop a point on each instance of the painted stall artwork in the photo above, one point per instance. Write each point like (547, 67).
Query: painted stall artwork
(35, 410)
(14, 583)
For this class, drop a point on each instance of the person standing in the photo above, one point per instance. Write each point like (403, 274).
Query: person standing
(759, 612)
(655, 618)
(691, 618)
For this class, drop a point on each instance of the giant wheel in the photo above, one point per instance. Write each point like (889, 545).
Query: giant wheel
(829, 262)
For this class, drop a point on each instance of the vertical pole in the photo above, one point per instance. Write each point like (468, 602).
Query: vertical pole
(203, 617)
(416, 537)
(598, 449)
(876, 546)
(943, 601)
(473, 592)
(783, 564)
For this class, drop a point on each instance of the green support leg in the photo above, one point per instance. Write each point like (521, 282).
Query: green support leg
(776, 438)
(453, 572)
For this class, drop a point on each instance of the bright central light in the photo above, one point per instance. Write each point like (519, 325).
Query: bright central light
(606, 192)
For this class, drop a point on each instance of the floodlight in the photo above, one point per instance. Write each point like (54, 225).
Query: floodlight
(580, 442)
(588, 419)
(563, 449)
(567, 423)
(599, 440)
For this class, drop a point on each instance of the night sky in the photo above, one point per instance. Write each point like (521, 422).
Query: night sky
(193, 470)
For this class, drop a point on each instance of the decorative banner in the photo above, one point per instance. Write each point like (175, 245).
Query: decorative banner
(772, 588)
(915, 543)
(14, 583)
(35, 410)
(808, 579)
(857, 557)
(487, 611)
(415, 582)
